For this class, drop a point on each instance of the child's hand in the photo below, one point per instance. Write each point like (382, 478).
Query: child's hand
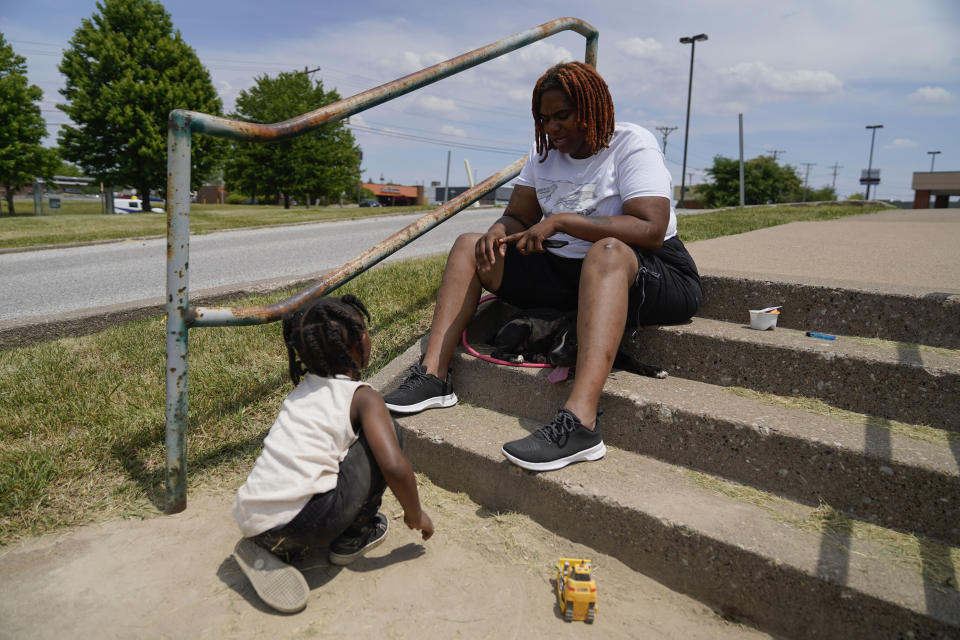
(424, 524)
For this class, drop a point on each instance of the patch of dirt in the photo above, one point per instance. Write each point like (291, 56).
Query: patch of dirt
(482, 575)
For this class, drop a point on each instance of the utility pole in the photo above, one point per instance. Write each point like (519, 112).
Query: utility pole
(807, 165)
(777, 152)
(446, 184)
(933, 156)
(873, 137)
(835, 167)
(740, 118)
(666, 131)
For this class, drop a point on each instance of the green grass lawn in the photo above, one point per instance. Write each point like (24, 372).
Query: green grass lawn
(733, 221)
(81, 221)
(82, 419)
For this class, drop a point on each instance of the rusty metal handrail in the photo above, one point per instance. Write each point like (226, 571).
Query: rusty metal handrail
(183, 123)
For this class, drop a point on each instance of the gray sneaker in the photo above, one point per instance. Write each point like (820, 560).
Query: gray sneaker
(554, 446)
(419, 391)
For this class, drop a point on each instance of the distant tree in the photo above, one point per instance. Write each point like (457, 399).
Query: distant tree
(855, 196)
(322, 164)
(823, 194)
(126, 69)
(65, 168)
(764, 181)
(22, 127)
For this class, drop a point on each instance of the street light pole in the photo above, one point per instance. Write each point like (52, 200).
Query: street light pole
(692, 41)
(933, 156)
(873, 137)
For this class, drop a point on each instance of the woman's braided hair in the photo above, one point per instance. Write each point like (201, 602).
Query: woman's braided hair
(321, 338)
(587, 93)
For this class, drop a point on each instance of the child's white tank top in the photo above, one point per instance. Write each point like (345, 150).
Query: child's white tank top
(301, 454)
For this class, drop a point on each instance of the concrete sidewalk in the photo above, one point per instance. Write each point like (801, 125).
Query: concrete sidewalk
(896, 251)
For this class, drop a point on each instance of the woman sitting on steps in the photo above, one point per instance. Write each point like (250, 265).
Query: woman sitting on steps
(603, 188)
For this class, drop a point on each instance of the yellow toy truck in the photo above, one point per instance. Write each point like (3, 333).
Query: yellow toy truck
(576, 590)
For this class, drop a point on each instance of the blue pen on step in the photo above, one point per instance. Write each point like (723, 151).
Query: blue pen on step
(822, 336)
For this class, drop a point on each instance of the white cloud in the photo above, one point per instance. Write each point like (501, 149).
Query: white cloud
(761, 77)
(226, 91)
(542, 54)
(453, 131)
(433, 103)
(931, 96)
(642, 48)
(901, 143)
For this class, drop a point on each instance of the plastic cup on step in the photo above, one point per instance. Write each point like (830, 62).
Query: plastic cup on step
(763, 319)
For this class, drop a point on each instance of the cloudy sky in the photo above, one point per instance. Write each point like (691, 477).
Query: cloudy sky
(807, 75)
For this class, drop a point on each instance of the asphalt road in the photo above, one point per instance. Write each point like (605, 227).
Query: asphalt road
(39, 283)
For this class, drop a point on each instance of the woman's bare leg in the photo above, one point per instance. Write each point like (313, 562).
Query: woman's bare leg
(456, 302)
(608, 271)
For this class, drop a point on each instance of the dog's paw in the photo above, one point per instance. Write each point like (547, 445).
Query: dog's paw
(513, 358)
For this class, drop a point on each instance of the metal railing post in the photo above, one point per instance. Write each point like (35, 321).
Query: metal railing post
(178, 251)
(590, 54)
(183, 124)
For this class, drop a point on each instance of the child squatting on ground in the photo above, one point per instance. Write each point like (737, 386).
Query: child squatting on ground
(326, 461)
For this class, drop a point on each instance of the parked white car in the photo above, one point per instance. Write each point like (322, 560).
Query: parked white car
(133, 205)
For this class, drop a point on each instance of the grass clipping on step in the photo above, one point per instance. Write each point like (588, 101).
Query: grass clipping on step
(922, 433)
(934, 562)
(83, 419)
(906, 346)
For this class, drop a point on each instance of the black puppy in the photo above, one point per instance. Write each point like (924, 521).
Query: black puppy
(540, 336)
(550, 336)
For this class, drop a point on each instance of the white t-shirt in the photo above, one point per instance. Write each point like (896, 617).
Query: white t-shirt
(301, 454)
(632, 166)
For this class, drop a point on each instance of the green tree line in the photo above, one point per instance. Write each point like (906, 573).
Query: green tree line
(126, 68)
(765, 182)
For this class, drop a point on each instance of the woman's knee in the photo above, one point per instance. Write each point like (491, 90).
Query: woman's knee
(609, 255)
(466, 242)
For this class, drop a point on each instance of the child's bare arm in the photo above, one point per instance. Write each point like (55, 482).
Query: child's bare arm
(370, 413)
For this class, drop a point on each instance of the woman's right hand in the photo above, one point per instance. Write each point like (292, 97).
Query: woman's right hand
(489, 248)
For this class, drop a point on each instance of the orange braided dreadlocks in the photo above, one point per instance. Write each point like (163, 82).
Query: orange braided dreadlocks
(589, 95)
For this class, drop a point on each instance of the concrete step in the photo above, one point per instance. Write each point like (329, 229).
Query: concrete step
(904, 478)
(896, 381)
(788, 568)
(891, 314)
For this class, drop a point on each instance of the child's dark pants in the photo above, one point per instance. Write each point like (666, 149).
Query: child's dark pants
(348, 507)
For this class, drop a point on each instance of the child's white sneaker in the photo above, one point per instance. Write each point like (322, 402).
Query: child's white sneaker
(278, 584)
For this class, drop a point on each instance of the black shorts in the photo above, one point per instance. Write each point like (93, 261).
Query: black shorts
(666, 289)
